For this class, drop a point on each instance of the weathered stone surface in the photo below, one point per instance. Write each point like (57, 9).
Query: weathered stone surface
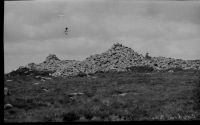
(8, 106)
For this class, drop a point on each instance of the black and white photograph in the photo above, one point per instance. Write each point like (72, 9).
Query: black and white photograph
(101, 60)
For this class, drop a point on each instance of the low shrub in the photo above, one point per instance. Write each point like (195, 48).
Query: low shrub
(91, 74)
(81, 74)
(176, 69)
(70, 116)
(149, 97)
(99, 72)
(140, 69)
(26, 71)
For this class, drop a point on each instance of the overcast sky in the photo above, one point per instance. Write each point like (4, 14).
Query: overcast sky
(35, 29)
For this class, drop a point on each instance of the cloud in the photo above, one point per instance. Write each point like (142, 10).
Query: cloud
(35, 29)
(90, 18)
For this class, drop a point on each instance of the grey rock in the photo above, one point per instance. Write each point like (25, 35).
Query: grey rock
(8, 106)
(95, 118)
(36, 83)
(123, 94)
(117, 58)
(170, 71)
(6, 91)
(9, 80)
(75, 94)
(82, 118)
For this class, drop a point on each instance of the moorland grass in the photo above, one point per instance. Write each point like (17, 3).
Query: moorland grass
(150, 96)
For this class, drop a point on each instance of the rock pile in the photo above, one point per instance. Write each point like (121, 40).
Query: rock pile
(117, 58)
(54, 64)
(27, 71)
(162, 63)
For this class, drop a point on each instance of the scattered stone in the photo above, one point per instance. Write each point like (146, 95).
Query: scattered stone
(42, 80)
(52, 57)
(8, 106)
(6, 91)
(75, 94)
(170, 71)
(123, 94)
(47, 78)
(83, 118)
(37, 76)
(91, 77)
(106, 102)
(9, 80)
(56, 74)
(72, 99)
(36, 83)
(22, 67)
(95, 118)
(46, 90)
(114, 118)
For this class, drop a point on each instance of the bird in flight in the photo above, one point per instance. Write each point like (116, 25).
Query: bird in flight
(66, 30)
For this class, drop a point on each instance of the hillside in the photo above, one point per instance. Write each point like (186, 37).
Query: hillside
(110, 96)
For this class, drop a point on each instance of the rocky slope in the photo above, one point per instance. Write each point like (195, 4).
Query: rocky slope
(117, 58)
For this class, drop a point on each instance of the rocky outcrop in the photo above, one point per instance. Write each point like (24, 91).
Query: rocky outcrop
(117, 58)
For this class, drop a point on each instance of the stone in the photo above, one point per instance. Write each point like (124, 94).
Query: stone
(42, 80)
(36, 83)
(6, 91)
(95, 118)
(52, 57)
(170, 71)
(46, 78)
(46, 90)
(8, 106)
(117, 58)
(75, 94)
(82, 118)
(123, 94)
(37, 76)
(9, 80)
(114, 118)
